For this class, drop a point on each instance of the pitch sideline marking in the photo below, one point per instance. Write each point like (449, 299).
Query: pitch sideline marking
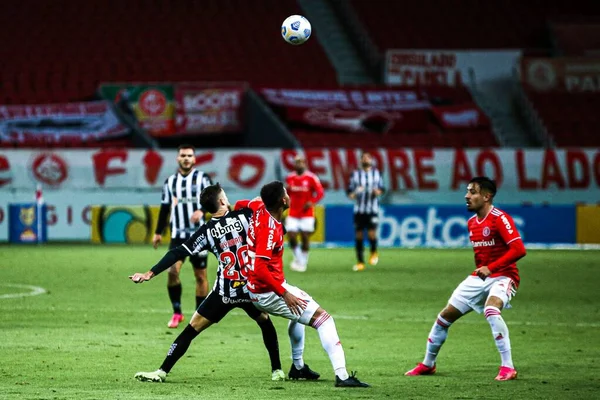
(416, 320)
(34, 291)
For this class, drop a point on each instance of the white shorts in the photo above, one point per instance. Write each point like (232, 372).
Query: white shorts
(273, 304)
(473, 292)
(304, 224)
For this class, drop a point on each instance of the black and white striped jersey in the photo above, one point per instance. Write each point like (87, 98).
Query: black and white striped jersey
(182, 194)
(363, 183)
(226, 238)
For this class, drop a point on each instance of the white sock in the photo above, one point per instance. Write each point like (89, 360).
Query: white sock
(500, 332)
(437, 337)
(296, 333)
(331, 343)
(297, 253)
(304, 257)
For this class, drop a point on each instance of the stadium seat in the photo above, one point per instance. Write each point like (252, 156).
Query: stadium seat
(83, 43)
(570, 119)
(464, 24)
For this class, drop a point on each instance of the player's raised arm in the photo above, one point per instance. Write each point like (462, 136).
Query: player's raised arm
(171, 257)
(195, 244)
(253, 204)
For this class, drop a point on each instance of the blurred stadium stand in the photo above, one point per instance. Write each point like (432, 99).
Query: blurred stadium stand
(61, 51)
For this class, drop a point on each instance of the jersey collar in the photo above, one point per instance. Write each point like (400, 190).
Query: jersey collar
(484, 218)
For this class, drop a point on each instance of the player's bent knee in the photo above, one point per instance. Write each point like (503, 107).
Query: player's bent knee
(262, 318)
(318, 316)
(451, 313)
(495, 301)
(199, 323)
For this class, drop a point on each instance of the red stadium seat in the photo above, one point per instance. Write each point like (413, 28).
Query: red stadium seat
(82, 43)
(570, 119)
(464, 24)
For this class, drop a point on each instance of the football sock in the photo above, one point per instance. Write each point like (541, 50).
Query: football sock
(175, 297)
(437, 337)
(179, 347)
(297, 253)
(500, 332)
(199, 300)
(373, 245)
(330, 340)
(304, 259)
(296, 332)
(359, 251)
(269, 335)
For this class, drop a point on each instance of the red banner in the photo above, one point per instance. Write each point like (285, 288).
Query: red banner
(573, 75)
(205, 108)
(347, 99)
(380, 121)
(460, 116)
(62, 124)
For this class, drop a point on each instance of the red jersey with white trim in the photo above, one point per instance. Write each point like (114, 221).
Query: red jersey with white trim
(490, 238)
(302, 189)
(265, 242)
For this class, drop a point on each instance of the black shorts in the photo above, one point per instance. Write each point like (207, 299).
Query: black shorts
(198, 262)
(215, 307)
(365, 221)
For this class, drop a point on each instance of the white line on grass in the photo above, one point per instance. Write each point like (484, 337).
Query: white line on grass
(33, 291)
(416, 320)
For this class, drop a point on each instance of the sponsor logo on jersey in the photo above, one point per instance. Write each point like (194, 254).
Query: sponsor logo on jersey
(227, 300)
(506, 224)
(270, 243)
(231, 225)
(484, 243)
(303, 188)
(199, 242)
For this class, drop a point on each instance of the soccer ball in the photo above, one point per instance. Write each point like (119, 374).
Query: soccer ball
(295, 29)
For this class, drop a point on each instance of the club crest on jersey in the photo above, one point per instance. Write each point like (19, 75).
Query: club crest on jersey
(486, 231)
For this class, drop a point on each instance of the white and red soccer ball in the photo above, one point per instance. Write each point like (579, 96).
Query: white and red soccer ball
(296, 29)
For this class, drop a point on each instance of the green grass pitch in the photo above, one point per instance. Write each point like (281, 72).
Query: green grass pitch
(94, 329)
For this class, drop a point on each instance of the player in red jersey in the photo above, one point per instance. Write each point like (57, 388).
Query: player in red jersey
(305, 190)
(272, 294)
(497, 246)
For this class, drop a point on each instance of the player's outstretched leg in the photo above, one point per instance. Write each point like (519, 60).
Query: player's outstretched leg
(500, 332)
(177, 350)
(325, 326)
(299, 370)
(437, 337)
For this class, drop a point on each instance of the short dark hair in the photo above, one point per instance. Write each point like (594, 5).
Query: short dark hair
(272, 193)
(186, 146)
(209, 198)
(485, 184)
